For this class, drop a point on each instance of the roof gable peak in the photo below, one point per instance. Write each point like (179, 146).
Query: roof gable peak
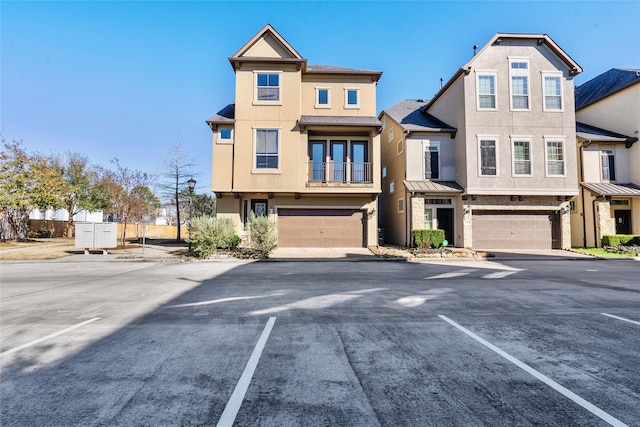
(266, 46)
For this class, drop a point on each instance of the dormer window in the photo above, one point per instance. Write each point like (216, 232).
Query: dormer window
(268, 87)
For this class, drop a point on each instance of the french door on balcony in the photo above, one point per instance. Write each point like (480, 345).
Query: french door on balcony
(339, 161)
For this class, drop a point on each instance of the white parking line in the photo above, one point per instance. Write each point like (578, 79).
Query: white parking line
(621, 318)
(452, 274)
(548, 381)
(64, 331)
(235, 401)
(499, 274)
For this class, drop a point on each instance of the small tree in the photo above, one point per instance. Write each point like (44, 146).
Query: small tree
(128, 195)
(262, 234)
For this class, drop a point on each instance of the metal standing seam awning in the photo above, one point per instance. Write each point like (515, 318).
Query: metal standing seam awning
(606, 189)
(426, 186)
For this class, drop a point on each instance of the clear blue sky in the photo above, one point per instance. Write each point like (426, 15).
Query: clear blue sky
(127, 79)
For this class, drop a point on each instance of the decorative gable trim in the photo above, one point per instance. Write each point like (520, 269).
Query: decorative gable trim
(241, 55)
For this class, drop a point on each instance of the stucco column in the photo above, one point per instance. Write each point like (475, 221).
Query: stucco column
(565, 226)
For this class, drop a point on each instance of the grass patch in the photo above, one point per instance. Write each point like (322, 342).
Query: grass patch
(603, 253)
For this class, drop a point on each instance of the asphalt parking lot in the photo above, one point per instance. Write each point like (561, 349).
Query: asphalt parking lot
(465, 343)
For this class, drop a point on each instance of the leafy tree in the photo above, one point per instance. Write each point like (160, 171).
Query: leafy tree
(80, 189)
(128, 194)
(27, 181)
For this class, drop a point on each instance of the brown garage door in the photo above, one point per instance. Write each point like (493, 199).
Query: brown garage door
(321, 228)
(501, 230)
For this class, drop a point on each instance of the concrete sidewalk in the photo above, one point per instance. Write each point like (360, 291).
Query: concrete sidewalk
(317, 254)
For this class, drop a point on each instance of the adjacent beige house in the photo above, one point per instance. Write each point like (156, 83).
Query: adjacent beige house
(490, 159)
(608, 116)
(299, 144)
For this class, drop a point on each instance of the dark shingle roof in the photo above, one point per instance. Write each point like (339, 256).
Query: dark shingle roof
(409, 115)
(339, 121)
(329, 69)
(225, 116)
(604, 85)
(593, 133)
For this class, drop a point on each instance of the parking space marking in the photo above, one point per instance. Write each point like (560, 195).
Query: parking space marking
(452, 274)
(499, 274)
(621, 318)
(235, 401)
(548, 381)
(38, 341)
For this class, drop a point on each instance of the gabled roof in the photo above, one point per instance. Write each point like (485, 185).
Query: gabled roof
(541, 40)
(410, 115)
(287, 54)
(605, 84)
(592, 133)
(226, 116)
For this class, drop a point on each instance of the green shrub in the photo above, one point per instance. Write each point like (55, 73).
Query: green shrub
(262, 234)
(620, 240)
(207, 235)
(425, 239)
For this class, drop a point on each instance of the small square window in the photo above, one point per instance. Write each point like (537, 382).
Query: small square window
(352, 98)
(225, 134)
(323, 99)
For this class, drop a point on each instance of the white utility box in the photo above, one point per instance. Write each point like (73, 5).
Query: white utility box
(96, 235)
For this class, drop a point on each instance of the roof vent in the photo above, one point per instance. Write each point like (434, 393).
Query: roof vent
(475, 49)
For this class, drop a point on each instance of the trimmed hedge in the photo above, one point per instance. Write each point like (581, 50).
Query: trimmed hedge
(621, 240)
(428, 238)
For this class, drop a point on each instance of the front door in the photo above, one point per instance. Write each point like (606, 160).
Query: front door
(259, 207)
(445, 222)
(623, 222)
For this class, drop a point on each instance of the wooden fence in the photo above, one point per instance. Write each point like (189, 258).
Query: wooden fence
(53, 228)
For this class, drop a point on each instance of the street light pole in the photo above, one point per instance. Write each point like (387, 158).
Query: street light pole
(192, 184)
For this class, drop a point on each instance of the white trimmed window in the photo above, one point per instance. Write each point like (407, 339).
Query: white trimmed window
(323, 97)
(267, 86)
(608, 165)
(486, 89)
(351, 98)
(431, 160)
(401, 206)
(552, 90)
(519, 83)
(267, 148)
(554, 156)
(390, 135)
(521, 155)
(487, 155)
(399, 147)
(225, 135)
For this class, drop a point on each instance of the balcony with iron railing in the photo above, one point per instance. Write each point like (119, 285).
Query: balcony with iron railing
(336, 173)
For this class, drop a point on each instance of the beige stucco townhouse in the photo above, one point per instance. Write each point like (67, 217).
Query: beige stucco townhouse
(608, 123)
(490, 158)
(299, 144)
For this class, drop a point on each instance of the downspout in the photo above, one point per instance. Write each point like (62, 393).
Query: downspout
(584, 222)
(595, 225)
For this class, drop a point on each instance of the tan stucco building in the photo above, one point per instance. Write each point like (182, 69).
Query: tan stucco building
(608, 116)
(490, 158)
(300, 144)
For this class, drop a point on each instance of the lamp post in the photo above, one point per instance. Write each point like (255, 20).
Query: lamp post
(192, 184)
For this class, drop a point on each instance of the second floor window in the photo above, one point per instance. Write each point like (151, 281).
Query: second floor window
(521, 157)
(555, 158)
(608, 165)
(488, 158)
(352, 98)
(267, 148)
(431, 162)
(268, 87)
(322, 98)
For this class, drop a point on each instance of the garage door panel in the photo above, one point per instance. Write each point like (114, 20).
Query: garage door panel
(321, 228)
(499, 230)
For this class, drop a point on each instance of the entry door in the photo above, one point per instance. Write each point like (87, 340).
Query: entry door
(445, 222)
(259, 207)
(623, 222)
(318, 157)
